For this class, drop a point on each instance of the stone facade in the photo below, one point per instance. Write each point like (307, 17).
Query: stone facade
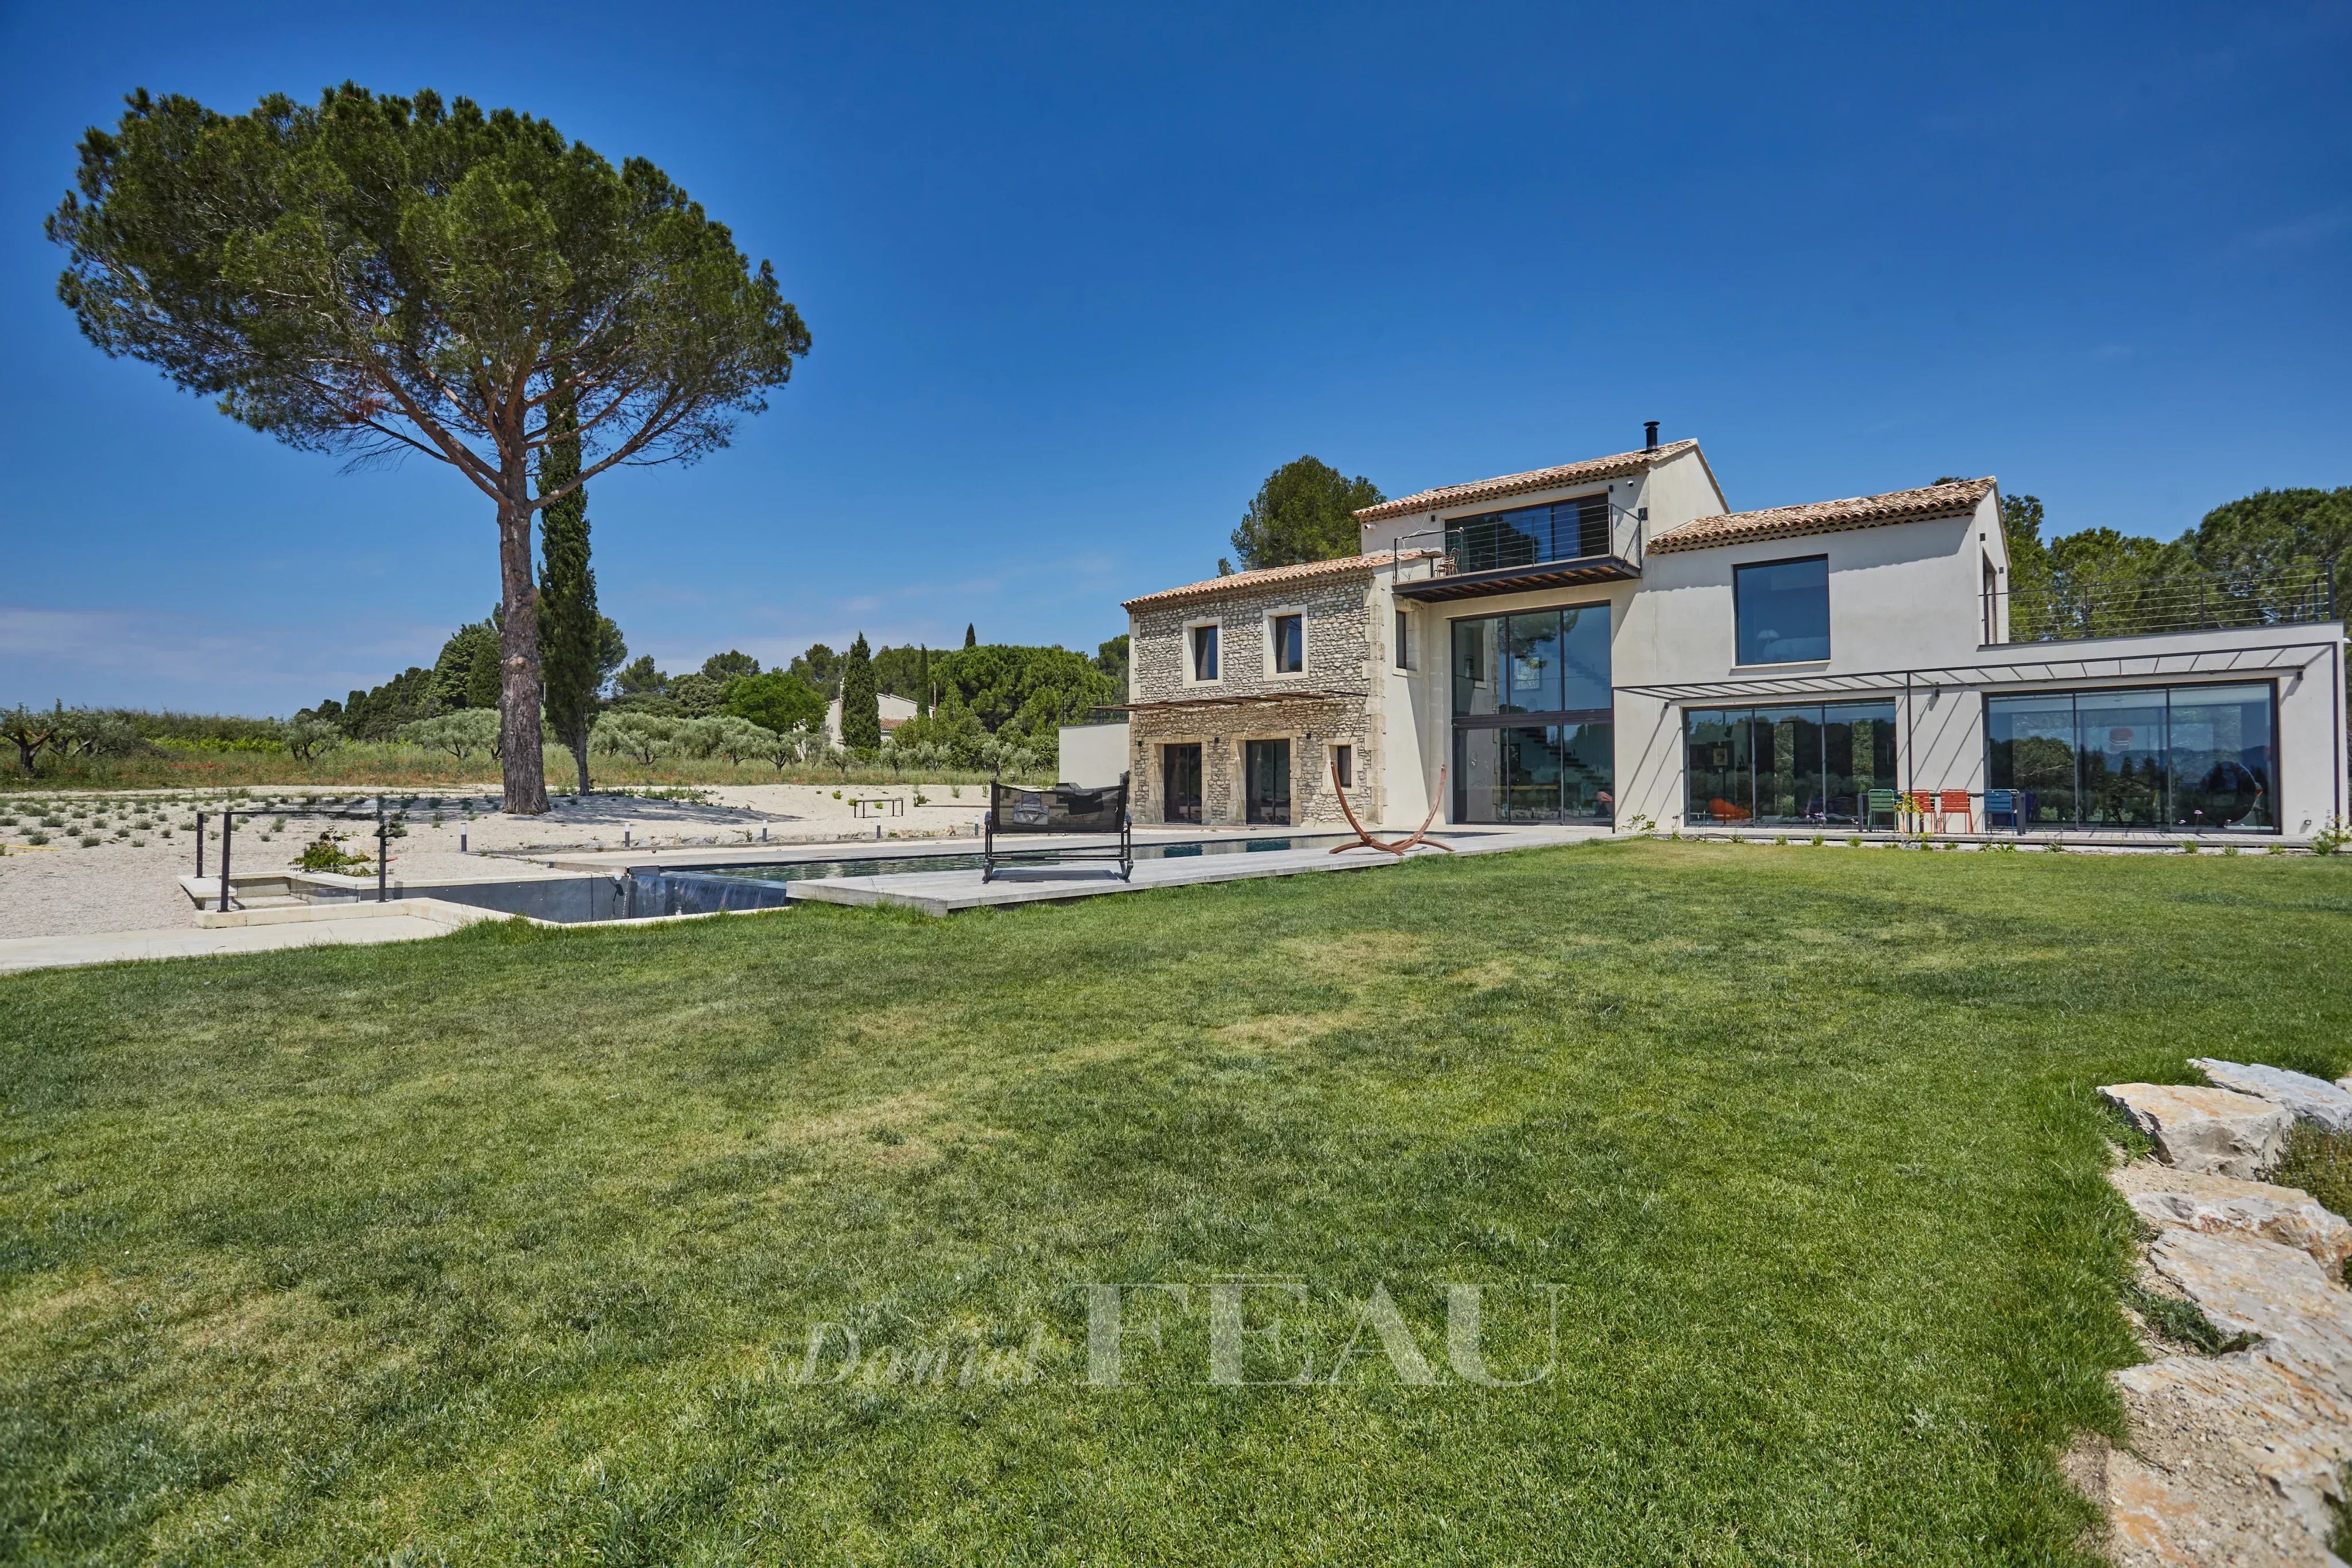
(1328, 704)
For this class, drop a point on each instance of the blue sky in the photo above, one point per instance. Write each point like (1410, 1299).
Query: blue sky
(1078, 278)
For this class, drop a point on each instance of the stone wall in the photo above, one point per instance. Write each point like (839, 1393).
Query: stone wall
(1343, 650)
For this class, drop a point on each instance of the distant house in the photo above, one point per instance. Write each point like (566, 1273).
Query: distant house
(1606, 640)
(896, 711)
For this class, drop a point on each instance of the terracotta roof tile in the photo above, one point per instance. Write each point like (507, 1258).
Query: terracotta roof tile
(1448, 496)
(1826, 517)
(1277, 576)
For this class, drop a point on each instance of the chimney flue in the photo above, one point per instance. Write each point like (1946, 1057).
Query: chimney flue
(1649, 435)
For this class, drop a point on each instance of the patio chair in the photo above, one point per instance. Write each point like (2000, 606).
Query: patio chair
(1886, 800)
(1949, 802)
(1064, 808)
(1723, 810)
(2004, 803)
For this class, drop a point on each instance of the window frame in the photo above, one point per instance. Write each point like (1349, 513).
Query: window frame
(1828, 627)
(1192, 677)
(1273, 646)
(1401, 654)
(2166, 691)
(1343, 763)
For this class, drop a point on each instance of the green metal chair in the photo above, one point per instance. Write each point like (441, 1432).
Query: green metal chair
(1887, 801)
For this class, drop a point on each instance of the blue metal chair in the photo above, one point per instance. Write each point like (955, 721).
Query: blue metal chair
(2013, 804)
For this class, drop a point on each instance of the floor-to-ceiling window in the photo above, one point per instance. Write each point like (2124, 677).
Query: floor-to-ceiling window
(1792, 765)
(1534, 739)
(2171, 757)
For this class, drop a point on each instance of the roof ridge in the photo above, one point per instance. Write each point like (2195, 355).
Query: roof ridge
(1294, 572)
(1826, 517)
(1502, 484)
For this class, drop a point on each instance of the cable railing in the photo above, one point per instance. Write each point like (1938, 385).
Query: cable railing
(2069, 611)
(1588, 528)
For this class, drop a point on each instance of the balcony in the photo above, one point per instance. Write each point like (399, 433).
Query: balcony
(1556, 545)
(2296, 593)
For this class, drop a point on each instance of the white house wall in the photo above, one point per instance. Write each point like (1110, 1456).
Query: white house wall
(1680, 490)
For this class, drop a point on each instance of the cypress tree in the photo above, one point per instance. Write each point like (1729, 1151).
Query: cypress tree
(923, 685)
(569, 625)
(969, 641)
(861, 702)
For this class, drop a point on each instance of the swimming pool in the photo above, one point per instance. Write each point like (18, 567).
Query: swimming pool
(890, 866)
(645, 892)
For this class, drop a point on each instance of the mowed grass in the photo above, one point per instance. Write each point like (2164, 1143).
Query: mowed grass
(506, 1247)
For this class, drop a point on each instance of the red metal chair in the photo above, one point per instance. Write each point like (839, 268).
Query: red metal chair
(1950, 801)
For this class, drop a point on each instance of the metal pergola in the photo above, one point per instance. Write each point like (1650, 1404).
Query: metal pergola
(1996, 674)
(1992, 673)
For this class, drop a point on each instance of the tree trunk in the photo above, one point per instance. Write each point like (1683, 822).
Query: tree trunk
(580, 754)
(522, 762)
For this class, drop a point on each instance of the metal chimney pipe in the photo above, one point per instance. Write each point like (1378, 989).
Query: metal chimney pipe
(1649, 435)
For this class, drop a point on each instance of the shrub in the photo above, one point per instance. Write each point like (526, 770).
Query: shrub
(725, 735)
(460, 734)
(326, 853)
(2333, 835)
(643, 736)
(37, 837)
(307, 737)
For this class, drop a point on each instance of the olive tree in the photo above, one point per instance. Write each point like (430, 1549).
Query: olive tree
(376, 276)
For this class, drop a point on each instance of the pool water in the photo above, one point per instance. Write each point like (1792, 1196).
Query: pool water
(644, 890)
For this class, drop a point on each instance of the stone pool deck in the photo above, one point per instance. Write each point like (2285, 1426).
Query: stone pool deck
(947, 893)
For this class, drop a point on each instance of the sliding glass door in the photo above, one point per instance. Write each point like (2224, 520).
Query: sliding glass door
(1809, 763)
(2178, 757)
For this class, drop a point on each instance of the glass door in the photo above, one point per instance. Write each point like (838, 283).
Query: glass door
(1267, 766)
(1180, 775)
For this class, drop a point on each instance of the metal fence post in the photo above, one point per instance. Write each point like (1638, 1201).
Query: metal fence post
(229, 831)
(200, 846)
(383, 849)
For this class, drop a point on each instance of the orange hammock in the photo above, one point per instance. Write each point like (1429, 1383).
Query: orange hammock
(1365, 840)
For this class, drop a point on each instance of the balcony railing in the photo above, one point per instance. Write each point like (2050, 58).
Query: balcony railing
(2298, 592)
(1524, 547)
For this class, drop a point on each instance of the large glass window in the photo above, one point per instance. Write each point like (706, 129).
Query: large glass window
(1783, 608)
(2187, 757)
(1534, 740)
(2031, 746)
(2120, 746)
(1814, 763)
(2220, 765)
(1546, 660)
(1474, 660)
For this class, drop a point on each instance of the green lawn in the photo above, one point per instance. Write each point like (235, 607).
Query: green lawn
(506, 1247)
